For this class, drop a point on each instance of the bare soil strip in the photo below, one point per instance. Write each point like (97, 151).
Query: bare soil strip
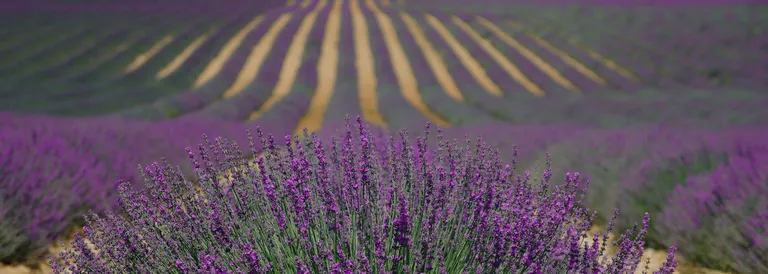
(258, 55)
(327, 72)
(291, 64)
(217, 64)
(542, 65)
(566, 58)
(142, 59)
(593, 54)
(435, 61)
(465, 57)
(409, 86)
(179, 60)
(366, 72)
(499, 57)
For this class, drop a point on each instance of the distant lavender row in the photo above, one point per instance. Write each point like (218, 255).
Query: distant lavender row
(160, 101)
(669, 47)
(665, 47)
(52, 169)
(639, 169)
(116, 90)
(721, 216)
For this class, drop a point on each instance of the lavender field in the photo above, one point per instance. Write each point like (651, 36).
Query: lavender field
(661, 104)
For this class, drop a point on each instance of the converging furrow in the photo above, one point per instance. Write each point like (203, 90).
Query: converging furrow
(293, 63)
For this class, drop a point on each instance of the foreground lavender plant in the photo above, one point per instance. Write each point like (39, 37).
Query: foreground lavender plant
(364, 204)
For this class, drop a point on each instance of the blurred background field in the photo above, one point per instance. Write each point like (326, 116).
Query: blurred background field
(661, 103)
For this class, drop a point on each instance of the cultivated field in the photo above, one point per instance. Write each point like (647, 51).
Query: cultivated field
(652, 100)
(452, 69)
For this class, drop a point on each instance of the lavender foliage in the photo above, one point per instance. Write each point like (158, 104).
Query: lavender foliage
(52, 170)
(44, 188)
(668, 172)
(720, 217)
(364, 203)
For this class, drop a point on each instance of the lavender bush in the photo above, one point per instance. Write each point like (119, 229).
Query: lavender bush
(44, 186)
(610, 159)
(671, 173)
(364, 204)
(720, 217)
(52, 170)
(660, 178)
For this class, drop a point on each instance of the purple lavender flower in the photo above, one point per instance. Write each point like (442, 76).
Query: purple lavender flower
(381, 206)
(52, 170)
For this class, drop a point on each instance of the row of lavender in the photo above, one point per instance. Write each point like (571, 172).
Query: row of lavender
(70, 66)
(487, 88)
(78, 88)
(55, 168)
(677, 46)
(365, 203)
(635, 169)
(703, 187)
(664, 45)
(480, 104)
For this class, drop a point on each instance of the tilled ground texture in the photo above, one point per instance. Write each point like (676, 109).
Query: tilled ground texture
(556, 74)
(395, 63)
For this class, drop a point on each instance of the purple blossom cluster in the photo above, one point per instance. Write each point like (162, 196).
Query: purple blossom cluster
(365, 203)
